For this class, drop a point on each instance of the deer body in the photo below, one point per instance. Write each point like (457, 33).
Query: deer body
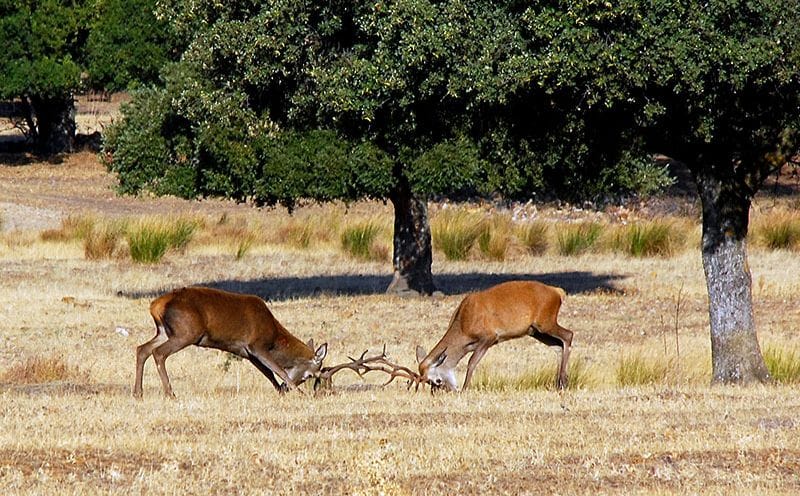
(236, 323)
(483, 319)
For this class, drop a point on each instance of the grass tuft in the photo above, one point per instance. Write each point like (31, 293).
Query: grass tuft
(648, 239)
(359, 240)
(534, 237)
(495, 237)
(73, 227)
(149, 239)
(783, 365)
(541, 378)
(39, 370)
(102, 240)
(454, 232)
(638, 370)
(575, 239)
(780, 231)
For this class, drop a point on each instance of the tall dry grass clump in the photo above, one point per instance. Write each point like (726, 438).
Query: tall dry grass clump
(150, 238)
(495, 237)
(575, 239)
(43, 369)
(454, 232)
(361, 240)
(74, 227)
(783, 365)
(534, 236)
(653, 238)
(103, 240)
(777, 231)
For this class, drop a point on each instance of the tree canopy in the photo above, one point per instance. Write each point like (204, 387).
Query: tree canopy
(52, 48)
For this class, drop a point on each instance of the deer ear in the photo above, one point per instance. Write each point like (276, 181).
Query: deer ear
(321, 353)
(310, 343)
(440, 359)
(420, 354)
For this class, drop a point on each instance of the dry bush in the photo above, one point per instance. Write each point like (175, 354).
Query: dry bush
(783, 364)
(39, 370)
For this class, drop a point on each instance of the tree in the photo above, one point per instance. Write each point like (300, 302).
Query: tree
(49, 46)
(714, 84)
(39, 65)
(277, 102)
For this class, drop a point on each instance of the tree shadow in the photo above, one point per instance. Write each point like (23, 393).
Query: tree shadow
(286, 288)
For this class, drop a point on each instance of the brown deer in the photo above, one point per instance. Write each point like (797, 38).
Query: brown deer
(507, 311)
(236, 323)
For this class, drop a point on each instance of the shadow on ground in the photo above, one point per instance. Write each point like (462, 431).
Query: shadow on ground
(285, 288)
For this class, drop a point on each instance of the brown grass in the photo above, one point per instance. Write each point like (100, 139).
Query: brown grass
(42, 369)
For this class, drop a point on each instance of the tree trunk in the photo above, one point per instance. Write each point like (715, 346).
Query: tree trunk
(55, 124)
(412, 244)
(735, 353)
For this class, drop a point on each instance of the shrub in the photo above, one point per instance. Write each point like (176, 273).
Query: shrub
(455, 232)
(783, 365)
(534, 236)
(298, 233)
(359, 241)
(575, 239)
(39, 369)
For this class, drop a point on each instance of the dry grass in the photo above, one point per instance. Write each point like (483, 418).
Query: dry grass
(229, 432)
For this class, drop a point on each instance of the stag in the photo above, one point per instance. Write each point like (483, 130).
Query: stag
(483, 319)
(236, 323)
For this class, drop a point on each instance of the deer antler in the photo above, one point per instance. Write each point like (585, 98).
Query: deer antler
(365, 364)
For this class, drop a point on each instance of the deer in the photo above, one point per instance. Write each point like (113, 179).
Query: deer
(240, 324)
(485, 318)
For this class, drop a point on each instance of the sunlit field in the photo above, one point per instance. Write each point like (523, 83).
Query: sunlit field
(639, 418)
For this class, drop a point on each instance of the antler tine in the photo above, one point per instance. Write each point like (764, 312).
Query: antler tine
(365, 364)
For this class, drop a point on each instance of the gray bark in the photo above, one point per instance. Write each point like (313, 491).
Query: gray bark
(735, 353)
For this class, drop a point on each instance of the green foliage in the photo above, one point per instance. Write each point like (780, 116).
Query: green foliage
(783, 365)
(126, 45)
(574, 239)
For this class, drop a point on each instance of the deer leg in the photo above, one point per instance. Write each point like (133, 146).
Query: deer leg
(480, 350)
(143, 352)
(267, 373)
(160, 355)
(557, 336)
(267, 362)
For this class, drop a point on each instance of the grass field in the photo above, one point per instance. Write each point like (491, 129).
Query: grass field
(81, 432)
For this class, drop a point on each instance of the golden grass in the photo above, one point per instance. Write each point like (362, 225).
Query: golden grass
(229, 432)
